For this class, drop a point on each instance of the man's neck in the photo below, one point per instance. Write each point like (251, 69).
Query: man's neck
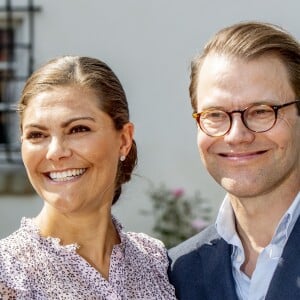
(256, 221)
(258, 217)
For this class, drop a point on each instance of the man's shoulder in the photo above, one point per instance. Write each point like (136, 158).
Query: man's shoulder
(207, 236)
(198, 265)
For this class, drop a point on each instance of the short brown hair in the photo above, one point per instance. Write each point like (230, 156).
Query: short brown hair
(94, 75)
(249, 40)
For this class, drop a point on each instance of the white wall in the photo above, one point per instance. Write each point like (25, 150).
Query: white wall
(149, 44)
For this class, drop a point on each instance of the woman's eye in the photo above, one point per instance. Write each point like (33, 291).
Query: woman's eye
(79, 128)
(34, 135)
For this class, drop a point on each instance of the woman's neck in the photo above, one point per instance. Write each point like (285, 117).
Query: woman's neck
(94, 233)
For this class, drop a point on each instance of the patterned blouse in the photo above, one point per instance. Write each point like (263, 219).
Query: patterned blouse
(34, 267)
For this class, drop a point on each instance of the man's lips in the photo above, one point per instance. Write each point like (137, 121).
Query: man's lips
(242, 155)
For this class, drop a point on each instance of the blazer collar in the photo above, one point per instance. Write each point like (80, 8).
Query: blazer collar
(216, 262)
(285, 283)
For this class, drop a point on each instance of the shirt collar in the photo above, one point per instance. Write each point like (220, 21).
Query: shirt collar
(225, 222)
(287, 222)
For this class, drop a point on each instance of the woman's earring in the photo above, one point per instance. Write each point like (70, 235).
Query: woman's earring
(122, 157)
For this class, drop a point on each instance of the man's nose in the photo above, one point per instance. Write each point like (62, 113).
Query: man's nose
(238, 132)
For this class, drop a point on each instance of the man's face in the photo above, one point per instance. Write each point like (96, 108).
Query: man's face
(246, 163)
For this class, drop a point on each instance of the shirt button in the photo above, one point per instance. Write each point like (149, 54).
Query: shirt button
(239, 258)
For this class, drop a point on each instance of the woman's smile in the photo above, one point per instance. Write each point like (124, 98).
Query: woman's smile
(73, 144)
(66, 175)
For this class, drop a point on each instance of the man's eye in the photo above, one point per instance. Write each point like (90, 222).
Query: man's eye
(260, 112)
(216, 115)
(79, 128)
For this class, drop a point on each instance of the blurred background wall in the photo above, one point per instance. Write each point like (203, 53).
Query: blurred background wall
(149, 45)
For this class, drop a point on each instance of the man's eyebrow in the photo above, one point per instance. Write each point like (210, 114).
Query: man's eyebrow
(63, 125)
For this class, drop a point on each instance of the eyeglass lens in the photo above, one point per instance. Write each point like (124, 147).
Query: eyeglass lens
(257, 118)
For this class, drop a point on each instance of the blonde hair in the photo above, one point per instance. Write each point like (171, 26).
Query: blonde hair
(249, 40)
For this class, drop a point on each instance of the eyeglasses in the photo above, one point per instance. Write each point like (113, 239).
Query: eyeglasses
(257, 118)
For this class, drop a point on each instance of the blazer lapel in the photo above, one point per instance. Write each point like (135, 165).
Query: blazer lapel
(216, 263)
(285, 283)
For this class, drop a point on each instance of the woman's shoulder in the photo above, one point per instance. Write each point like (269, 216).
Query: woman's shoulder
(18, 236)
(18, 246)
(147, 244)
(16, 240)
(14, 260)
(144, 238)
(139, 241)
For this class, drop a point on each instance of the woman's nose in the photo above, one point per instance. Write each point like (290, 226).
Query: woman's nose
(58, 149)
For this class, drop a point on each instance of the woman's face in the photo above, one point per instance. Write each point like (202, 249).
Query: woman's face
(71, 149)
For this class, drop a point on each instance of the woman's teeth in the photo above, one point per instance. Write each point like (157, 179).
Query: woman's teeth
(66, 175)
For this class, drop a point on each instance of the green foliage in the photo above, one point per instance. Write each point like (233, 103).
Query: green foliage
(177, 216)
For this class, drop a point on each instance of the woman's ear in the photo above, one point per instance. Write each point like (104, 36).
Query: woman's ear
(127, 133)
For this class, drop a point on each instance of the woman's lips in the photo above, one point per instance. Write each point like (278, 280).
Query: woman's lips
(65, 175)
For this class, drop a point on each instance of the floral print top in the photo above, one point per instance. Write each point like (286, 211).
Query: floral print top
(34, 267)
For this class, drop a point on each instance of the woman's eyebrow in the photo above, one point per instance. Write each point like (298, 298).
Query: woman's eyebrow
(63, 125)
(38, 126)
(68, 122)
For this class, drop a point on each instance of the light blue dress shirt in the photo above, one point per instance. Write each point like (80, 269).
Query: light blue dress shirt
(256, 287)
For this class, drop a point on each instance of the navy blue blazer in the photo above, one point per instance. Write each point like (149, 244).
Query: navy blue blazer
(200, 268)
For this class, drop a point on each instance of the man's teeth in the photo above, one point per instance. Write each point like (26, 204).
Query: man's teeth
(66, 175)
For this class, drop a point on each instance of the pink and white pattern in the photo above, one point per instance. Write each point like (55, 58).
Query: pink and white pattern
(34, 267)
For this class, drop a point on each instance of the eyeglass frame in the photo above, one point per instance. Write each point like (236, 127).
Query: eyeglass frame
(275, 108)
